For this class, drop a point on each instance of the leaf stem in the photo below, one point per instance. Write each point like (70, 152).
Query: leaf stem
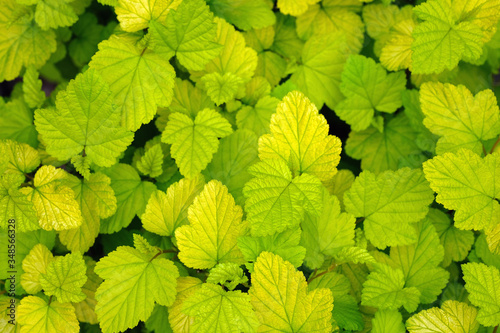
(494, 146)
(314, 275)
(495, 329)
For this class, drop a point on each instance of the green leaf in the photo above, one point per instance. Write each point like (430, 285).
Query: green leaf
(388, 321)
(443, 39)
(158, 321)
(230, 164)
(453, 317)
(346, 313)
(228, 275)
(385, 289)
(457, 243)
(34, 265)
(32, 88)
(84, 120)
(195, 142)
(216, 310)
(22, 43)
(299, 136)
(281, 300)
(36, 315)
(459, 118)
(332, 16)
(323, 58)
(244, 14)
(54, 200)
(221, 88)
(132, 196)
(20, 157)
(368, 88)
(189, 33)
(419, 262)
(215, 225)
(65, 277)
(135, 15)
(85, 310)
(139, 79)
(151, 163)
(295, 7)
(234, 58)
(16, 122)
(87, 33)
(469, 185)
(380, 151)
(258, 117)
(54, 14)
(165, 212)
(328, 233)
(97, 201)
(389, 202)
(186, 287)
(134, 282)
(482, 282)
(285, 244)
(275, 200)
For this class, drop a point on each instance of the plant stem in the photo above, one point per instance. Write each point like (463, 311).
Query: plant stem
(314, 275)
(494, 146)
(495, 329)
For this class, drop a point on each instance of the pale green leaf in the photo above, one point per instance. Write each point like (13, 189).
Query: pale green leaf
(139, 79)
(323, 58)
(135, 15)
(165, 212)
(453, 317)
(482, 283)
(34, 265)
(85, 310)
(275, 200)
(285, 244)
(134, 282)
(459, 118)
(457, 243)
(281, 300)
(37, 315)
(295, 7)
(54, 200)
(179, 321)
(189, 33)
(368, 88)
(419, 262)
(65, 277)
(299, 137)
(84, 120)
(328, 233)
(385, 289)
(22, 43)
(215, 225)
(346, 313)
(244, 14)
(152, 162)
(389, 202)
(388, 321)
(32, 88)
(332, 16)
(219, 311)
(443, 40)
(195, 142)
(97, 201)
(54, 14)
(467, 184)
(234, 58)
(228, 275)
(221, 88)
(20, 157)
